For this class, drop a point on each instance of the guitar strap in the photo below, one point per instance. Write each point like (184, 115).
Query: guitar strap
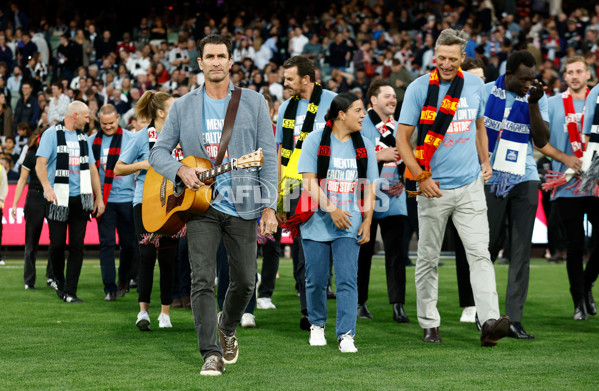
(228, 125)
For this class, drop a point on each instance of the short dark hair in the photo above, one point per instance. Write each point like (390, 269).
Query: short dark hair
(473, 63)
(521, 57)
(375, 87)
(24, 125)
(215, 39)
(304, 66)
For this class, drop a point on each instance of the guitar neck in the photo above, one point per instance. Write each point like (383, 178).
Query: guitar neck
(216, 171)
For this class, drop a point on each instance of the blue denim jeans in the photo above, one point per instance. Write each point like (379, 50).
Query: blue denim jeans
(345, 261)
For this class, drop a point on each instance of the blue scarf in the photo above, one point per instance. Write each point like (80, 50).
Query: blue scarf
(508, 140)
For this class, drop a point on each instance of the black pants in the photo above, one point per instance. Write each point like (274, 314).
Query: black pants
(166, 252)
(395, 267)
(299, 264)
(271, 252)
(411, 223)
(462, 269)
(572, 212)
(182, 280)
(77, 224)
(34, 212)
(519, 208)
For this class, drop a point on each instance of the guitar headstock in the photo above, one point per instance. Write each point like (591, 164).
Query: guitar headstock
(253, 159)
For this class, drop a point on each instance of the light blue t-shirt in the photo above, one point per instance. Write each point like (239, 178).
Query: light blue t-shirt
(455, 162)
(589, 110)
(341, 186)
(137, 150)
(302, 108)
(385, 205)
(531, 173)
(123, 187)
(47, 149)
(214, 119)
(560, 138)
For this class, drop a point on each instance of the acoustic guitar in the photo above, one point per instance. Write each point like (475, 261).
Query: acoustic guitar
(166, 206)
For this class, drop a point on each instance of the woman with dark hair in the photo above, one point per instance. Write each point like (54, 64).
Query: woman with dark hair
(153, 106)
(336, 164)
(34, 213)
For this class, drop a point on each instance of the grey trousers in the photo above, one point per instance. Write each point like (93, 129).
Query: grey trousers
(204, 233)
(468, 210)
(519, 207)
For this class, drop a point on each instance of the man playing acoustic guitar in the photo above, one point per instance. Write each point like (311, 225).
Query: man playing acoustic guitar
(197, 121)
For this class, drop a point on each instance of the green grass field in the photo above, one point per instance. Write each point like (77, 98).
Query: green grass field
(47, 344)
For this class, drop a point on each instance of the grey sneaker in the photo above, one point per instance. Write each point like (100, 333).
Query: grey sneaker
(229, 344)
(213, 366)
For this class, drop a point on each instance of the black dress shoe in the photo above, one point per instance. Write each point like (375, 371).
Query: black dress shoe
(432, 335)
(304, 323)
(580, 311)
(399, 315)
(110, 296)
(518, 332)
(590, 303)
(72, 299)
(363, 312)
(493, 330)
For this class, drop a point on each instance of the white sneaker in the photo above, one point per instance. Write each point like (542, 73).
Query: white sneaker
(143, 321)
(248, 321)
(317, 336)
(2, 262)
(164, 321)
(265, 303)
(468, 315)
(346, 344)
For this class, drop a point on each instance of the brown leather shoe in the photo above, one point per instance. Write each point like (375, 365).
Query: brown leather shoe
(177, 303)
(186, 300)
(493, 330)
(432, 335)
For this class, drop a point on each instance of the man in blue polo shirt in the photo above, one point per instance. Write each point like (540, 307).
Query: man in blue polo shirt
(117, 193)
(390, 208)
(515, 117)
(566, 112)
(451, 166)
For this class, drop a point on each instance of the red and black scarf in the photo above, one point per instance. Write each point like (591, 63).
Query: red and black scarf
(386, 130)
(306, 205)
(113, 156)
(434, 124)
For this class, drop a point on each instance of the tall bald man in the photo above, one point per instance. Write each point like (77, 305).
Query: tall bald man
(69, 184)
